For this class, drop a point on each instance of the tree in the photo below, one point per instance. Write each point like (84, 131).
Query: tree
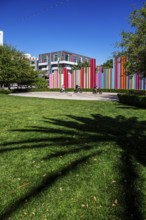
(41, 83)
(80, 65)
(14, 67)
(133, 44)
(108, 64)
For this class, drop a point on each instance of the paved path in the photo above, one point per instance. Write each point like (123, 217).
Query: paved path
(71, 95)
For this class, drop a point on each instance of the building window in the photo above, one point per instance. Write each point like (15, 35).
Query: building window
(56, 57)
(79, 59)
(43, 59)
(62, 57)
(67, 57)
(41, 67)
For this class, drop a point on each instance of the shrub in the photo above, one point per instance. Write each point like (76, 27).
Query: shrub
(132, 99)
(5, 91)
(41, 83)
(21, 90)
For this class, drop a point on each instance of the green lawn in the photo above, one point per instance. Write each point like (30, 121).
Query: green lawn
(71, 160)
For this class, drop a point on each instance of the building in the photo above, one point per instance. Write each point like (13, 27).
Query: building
(49, 62)
(33, 61)
(1, 38)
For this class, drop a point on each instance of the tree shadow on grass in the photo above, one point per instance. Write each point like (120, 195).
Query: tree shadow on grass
(47, 182)
(86, 133)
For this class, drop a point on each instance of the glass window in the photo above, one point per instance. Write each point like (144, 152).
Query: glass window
(62, 58)
(66, 57)
(79, 59)
(44, 58)
(56, 57)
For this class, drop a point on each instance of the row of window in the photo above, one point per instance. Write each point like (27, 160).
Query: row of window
(66, 57)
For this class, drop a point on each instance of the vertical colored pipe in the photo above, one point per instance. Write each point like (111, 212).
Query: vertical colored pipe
(102, 79)
(138, 81)
(65, 78)
(113, 74)
(120, 69)
(109, 78)
(69, 80)
(116, 72)
(50, 81)
(92, 72)
(124, 72)
(88, 80)
(119, 62)
(82, 77)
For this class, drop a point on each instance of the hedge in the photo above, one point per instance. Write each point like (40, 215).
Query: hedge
(83, 90)
(5, 91)
(127, 91)
(133, 99)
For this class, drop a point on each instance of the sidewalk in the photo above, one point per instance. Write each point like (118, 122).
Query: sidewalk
(71, 95)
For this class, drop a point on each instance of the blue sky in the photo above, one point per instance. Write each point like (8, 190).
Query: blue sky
(87, 27)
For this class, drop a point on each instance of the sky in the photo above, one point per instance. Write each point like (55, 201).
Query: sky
(86, 27)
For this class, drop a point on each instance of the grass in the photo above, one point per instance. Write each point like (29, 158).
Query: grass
(71, 160)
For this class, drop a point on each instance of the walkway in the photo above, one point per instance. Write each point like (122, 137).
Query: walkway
(71, 95)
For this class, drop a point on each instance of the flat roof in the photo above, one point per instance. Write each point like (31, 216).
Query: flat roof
(64, 51)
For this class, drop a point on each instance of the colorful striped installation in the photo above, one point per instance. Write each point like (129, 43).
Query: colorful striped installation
(115, 78)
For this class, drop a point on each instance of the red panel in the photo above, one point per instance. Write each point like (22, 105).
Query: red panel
(92, 72)
(121, 74)
(65, 78)
(82, 78)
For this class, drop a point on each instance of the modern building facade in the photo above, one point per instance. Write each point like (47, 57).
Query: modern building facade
(59, 60)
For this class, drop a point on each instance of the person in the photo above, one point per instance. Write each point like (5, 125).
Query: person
(95, 89)
(76, 88)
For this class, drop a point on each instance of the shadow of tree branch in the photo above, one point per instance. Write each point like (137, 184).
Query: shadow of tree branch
(87, 133)
(47, 182)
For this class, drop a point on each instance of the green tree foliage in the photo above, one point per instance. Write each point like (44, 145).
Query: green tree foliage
(133, 44)
(41, 83)
(14, 67)
(80, 65)
(108, 64)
